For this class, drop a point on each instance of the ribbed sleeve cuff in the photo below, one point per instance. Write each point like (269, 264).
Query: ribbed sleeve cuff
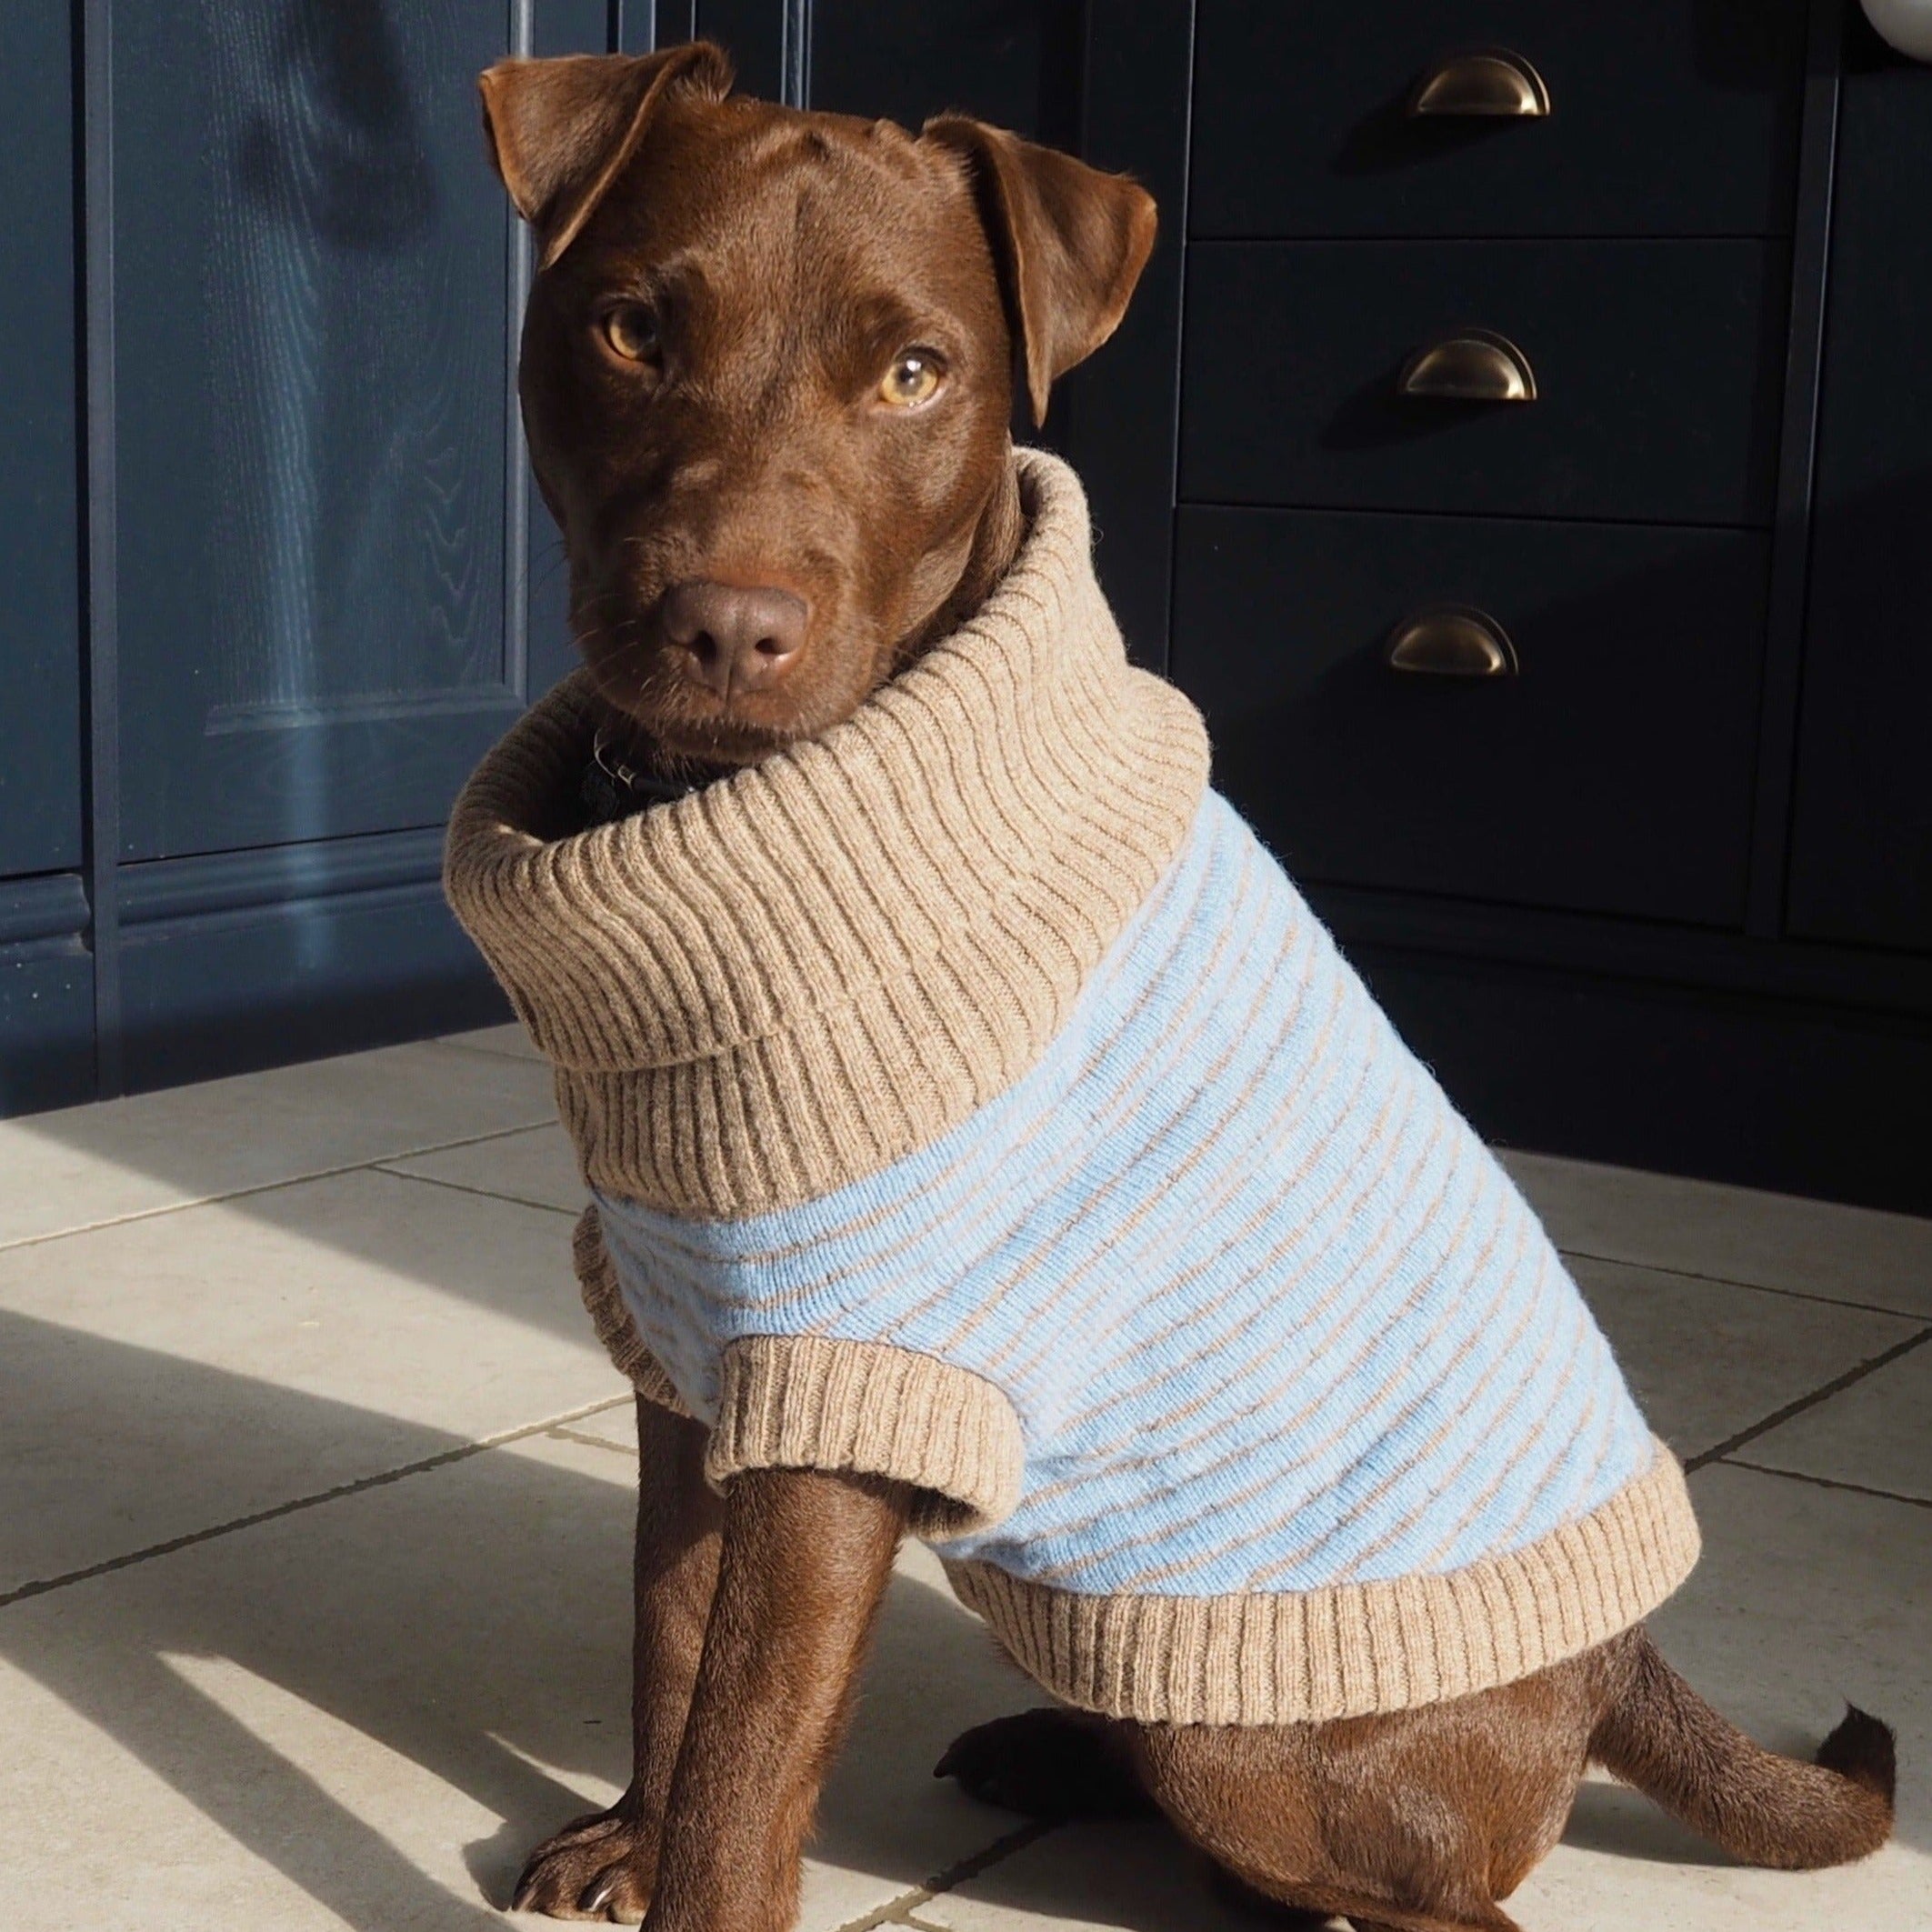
(805, 1402)
(1306, 1656)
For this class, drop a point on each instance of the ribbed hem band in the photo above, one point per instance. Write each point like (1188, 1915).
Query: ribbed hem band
(1305, 1657)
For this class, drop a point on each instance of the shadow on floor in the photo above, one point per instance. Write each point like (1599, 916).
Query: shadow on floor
(473, 1622)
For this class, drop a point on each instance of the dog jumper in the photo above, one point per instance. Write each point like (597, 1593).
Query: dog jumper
(967, 1098)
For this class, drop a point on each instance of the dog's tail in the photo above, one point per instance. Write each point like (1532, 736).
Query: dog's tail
(1660, 1736)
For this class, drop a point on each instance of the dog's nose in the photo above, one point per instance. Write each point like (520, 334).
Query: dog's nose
(737, 639)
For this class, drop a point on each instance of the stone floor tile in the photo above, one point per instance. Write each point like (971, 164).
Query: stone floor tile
(1707, 1358)
(159, 1376)
(1877, 1433)
(84, 1165)
(1740, 1234)
(508, 1039)
(536, 1167)
(364, 1715)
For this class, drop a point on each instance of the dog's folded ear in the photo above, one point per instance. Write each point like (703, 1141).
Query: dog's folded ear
(1070, 242)
(560, 131)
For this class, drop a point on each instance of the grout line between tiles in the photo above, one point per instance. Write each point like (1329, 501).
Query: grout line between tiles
(1827, 1482)
(462, 1452)
(287, 1180)
(1733, 1281)
(895, 1910)
(1836, 1386)
(487, 1194)
(595, 1442)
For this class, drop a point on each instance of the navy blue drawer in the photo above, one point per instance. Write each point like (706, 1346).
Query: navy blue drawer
(1667, 118)
(1611, 774)
(1657, 366)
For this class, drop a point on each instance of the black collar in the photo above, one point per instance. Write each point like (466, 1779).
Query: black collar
(613, 789)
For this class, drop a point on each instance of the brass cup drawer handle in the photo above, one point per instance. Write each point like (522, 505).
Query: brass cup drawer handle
(1452, 640)
(1489, 84)
(1473, 366)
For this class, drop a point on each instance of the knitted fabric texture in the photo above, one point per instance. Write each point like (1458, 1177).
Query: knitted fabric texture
(967, 1098)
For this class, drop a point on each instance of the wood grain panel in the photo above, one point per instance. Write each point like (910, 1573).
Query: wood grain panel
(312, 263)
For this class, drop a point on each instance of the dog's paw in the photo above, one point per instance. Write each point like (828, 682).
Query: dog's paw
(598, 1868)
(1049, 1764)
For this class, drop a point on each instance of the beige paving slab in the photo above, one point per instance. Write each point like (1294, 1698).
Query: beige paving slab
(1741, 1234)
(1708, 1358)
(159, 1376)
(537, 1165)
(84, 1165)
(363, 1716)
(508, 1039)
(1877, 1433)
(1806, 1597)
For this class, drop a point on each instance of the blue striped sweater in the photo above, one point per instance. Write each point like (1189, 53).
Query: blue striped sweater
(1237, 1381)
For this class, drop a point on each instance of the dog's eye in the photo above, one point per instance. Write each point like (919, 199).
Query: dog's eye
(631, 330)
(913, 379)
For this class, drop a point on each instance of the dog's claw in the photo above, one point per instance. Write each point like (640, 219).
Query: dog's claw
(601, 1889)
(528, 1880)
(949, 1761)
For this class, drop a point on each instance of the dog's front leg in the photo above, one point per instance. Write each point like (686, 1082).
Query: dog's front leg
(806, 1556)
(605, 1865)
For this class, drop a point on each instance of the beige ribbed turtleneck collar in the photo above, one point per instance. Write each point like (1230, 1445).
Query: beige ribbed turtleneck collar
(800, 972)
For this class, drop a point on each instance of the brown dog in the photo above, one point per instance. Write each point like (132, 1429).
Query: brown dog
(767, 376)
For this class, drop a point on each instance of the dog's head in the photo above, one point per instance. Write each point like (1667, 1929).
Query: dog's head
(768, 374)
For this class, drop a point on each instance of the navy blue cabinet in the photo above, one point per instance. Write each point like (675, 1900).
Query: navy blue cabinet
(1862, 830)
(40, 729)
(47, 979)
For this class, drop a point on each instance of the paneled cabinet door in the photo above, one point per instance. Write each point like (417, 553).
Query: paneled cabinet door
(320, 583)
(46, 972)
(40, 762)
(1861, 865)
